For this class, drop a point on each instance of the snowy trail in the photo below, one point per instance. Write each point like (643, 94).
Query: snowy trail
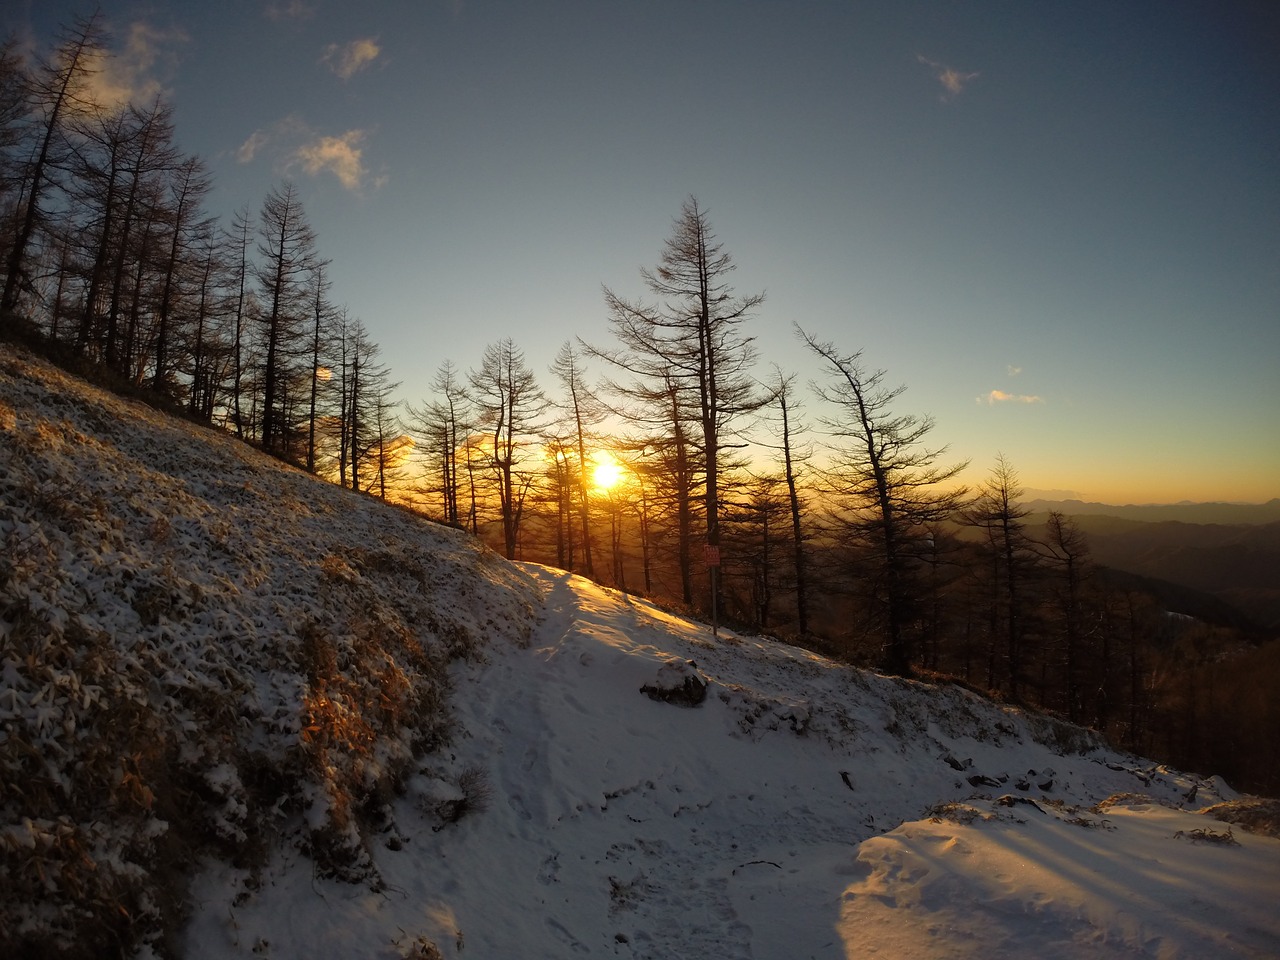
(621, 827)
(589, 786)
(634, 828)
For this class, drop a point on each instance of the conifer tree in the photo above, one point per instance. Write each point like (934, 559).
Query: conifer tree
(884, 487)
(57, 88)
(287, 252)
(509, 407)
(691, 342)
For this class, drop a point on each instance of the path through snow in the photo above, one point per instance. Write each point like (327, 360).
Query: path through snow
(786, 817)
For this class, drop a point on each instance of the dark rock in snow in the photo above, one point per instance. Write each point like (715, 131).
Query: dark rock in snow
(679, 683)
(1009, 800)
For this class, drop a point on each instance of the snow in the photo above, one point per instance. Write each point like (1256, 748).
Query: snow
(1048, 885)
(802, 809)
(621, 826)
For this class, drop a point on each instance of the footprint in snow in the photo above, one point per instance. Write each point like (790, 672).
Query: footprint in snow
(517, 804)
(547, 873)
(564, 936)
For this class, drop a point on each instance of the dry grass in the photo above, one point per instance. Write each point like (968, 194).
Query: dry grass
(1254, 814)
(188, 668)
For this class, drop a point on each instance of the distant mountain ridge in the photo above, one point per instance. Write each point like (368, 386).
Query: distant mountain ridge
(1186, 512)
(1228, 550)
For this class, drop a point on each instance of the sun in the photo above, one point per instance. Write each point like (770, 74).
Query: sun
(608, 471)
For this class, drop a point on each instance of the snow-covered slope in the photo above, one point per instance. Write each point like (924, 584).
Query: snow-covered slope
(801, 809)
(202, 651)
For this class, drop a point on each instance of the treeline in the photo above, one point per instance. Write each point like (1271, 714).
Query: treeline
(682, 469)
(108, 247)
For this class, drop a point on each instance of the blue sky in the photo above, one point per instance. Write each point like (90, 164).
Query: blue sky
(1057, 224)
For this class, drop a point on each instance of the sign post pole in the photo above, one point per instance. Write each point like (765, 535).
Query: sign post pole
(711, 557)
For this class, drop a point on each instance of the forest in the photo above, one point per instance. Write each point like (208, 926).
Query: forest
(669, 462)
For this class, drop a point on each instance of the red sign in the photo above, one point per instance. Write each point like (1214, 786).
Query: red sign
(711, 555)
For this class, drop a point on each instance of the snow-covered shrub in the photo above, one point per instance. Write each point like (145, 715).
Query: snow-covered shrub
(477, 794)
(448, 799)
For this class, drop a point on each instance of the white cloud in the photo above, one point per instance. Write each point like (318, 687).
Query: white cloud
(1000, 396)
(292, 144)
(290, 129)
(342, 156)
(1014, 371)
(953, 81)
(249, 149)
(349, 59)
(136, 72)
(289, 10)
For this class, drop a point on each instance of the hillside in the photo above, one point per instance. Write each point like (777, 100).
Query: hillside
(248, 714)
(1236, 562)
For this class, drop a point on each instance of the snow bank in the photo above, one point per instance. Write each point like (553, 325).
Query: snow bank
(1054, 881)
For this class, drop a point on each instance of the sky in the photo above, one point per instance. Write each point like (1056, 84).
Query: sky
(1058, 226)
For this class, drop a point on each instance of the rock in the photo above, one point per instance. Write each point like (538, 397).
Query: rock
(978, 780)
(1009, 800)
(678, 682)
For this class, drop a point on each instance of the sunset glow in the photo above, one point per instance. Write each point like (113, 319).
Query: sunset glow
(608, 472)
